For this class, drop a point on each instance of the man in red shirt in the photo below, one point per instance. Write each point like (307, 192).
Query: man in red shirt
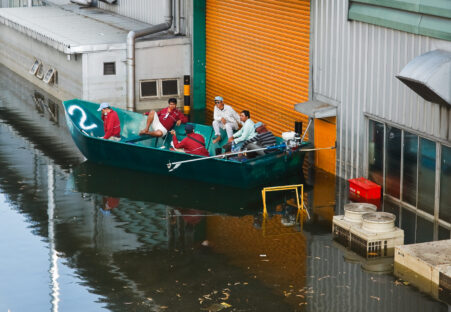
(194, 143)
(164, 120)
(111, 123)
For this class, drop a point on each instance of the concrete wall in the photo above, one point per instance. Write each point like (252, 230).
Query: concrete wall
(18, 52)
(155, 61)
(104, 88)
(354, 66)
(159, 59)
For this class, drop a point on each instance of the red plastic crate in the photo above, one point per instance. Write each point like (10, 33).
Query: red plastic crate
(361, 187)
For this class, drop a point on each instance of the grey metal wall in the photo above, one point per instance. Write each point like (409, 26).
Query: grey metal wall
(354, 66)
(149, 11)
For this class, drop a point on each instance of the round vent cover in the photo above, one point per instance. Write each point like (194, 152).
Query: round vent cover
(378, 222)
(354, 211)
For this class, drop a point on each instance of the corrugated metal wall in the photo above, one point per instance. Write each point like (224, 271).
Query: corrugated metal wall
(148, 11)
(258, 58)
(355, 65)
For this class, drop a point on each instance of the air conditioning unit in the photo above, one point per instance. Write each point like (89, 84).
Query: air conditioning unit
(341, 225)
(377, 236)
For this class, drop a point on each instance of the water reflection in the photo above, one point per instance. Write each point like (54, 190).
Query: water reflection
(87, 237)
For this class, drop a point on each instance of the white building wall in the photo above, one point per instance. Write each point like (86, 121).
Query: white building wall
(104, 88)
(354, 66)
(18, 52)
(159, 59)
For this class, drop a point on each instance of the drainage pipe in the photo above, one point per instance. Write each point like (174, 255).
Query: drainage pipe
(131, 38)
(82, 2)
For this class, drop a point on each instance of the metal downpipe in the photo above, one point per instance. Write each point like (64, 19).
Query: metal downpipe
(131, 39)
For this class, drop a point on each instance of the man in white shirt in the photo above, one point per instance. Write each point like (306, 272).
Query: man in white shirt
(225, 117)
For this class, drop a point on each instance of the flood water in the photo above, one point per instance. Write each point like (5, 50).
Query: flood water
(76, 236)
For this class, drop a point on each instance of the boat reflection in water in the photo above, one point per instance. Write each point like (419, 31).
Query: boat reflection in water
(134, 185)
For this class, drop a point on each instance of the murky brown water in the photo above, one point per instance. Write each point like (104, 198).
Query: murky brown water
(75, 236)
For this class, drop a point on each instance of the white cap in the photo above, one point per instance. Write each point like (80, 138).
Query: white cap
(218, 98)
(103, 105)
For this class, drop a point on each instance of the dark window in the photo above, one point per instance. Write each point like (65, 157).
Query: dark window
(425, 230)
(149, 88)
(426, 176)
(409, 226)
(376, 152)
(393, 161)
(409, 184)
(445, 185)
(170, 87)
(109, 68)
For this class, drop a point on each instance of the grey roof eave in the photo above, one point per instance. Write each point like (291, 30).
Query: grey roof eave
(316, 109)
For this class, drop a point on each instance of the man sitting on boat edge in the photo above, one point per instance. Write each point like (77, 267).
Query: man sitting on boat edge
(224, 117)
(111, 123)
(194, 143)
(247, 132)
(164, 120)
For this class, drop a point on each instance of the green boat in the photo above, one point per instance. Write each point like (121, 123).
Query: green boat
(150, 154)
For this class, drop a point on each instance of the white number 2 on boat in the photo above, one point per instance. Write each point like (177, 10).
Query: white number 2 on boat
(83, 118)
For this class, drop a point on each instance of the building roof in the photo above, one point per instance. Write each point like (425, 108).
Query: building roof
(71, 29)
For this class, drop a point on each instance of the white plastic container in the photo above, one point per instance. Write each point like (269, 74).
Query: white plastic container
(286, 136)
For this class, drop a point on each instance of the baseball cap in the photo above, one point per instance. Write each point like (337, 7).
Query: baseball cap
(258, 124)
(189, 128)
(103, 105)
(219, 98)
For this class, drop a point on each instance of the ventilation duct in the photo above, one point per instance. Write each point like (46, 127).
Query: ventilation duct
(429, 75)
(82, 2)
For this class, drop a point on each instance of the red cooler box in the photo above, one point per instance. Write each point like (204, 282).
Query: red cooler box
(363, 188)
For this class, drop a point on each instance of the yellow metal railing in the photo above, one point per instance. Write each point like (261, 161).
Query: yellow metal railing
(295, 187)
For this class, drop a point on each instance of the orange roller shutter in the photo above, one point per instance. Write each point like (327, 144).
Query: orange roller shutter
(258, 58)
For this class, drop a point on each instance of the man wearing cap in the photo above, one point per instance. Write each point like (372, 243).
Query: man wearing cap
(111, 123)
(194, 143)
(247, 132)
(164, 120)
(224, 117)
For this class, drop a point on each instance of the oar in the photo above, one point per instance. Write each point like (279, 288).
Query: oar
(179, 163)
(318, 149)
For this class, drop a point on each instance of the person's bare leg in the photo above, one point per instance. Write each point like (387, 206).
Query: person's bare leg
(150, 118)
(156, 133)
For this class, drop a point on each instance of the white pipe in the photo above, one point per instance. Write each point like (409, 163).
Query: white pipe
(82, 2)
(177, 9)
(131, 38)
(30, 3)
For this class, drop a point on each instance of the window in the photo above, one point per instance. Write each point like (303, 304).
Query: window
(170, 87)
(426, 176)
(148, 88)
(159, 88)
(393, 161)
(49, 76)
(109, 68)
(376, 152)
(445, 185)
(412, 173)
(409, 184)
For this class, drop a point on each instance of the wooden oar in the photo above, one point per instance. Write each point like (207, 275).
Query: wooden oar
(179, 163)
